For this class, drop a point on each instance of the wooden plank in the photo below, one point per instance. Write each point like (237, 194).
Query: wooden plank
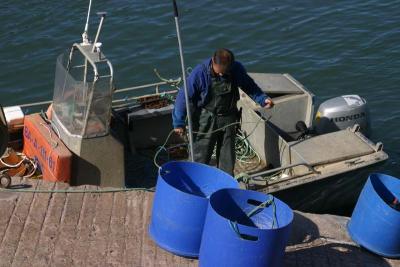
(116, 247)
(34, 223)
(8, 202)
(161, 256)
(149, 248)
(50, 228)
(99, 234)
(64, 246)
(7, 208)
(84, 228)
(133, 227)
(16, 225)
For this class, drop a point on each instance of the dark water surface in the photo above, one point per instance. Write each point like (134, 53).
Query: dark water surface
(332, 47)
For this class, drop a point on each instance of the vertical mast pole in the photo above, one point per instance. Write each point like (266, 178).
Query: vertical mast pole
(189, 115)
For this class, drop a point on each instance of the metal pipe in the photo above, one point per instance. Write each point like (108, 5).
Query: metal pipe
(188, 111)
(311, 168)
(88, 16)
(103, 15)
(110, 66)
(85, 36)
(85, 71)
(36, 104)
(42, 103)
(142, 96)
(88, 108)
(115, 101)
(140, 87)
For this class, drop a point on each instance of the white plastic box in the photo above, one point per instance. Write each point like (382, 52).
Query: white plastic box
(14, 117)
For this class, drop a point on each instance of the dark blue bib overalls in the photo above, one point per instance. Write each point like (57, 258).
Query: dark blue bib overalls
(220, 111)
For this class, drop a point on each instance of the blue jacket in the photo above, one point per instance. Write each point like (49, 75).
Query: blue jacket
(199, 82)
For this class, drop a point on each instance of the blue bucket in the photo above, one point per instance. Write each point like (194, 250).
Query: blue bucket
(180, 204)
(240, 232)
(375, 222)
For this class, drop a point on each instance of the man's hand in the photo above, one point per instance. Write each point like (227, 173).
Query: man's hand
(179, 131)
(269, 103)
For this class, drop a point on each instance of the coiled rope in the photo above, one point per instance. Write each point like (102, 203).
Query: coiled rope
(244, 151)
(24, 159)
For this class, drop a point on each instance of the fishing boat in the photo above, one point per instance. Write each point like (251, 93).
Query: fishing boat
(94, 133)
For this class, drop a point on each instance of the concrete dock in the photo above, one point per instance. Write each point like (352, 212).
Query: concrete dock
(110, 229)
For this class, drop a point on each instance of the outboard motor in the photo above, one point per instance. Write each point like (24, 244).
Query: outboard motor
(342, 112)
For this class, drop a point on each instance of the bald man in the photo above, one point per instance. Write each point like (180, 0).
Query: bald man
(213, 95)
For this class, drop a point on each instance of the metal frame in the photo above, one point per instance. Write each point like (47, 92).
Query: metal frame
(311, 168)
(123, 90)
(94, 58)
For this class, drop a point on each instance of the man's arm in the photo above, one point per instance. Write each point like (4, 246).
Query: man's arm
(247, 84)
(179, 112)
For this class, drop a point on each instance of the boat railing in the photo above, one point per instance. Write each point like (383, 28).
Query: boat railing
(118, 101)
(259, 175)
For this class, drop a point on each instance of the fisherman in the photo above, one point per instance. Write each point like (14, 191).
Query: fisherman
(213, 94)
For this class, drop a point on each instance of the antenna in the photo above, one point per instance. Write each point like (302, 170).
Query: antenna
(85, 36)
(189, 115)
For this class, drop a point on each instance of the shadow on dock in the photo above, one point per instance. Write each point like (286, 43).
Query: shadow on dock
(325, 244)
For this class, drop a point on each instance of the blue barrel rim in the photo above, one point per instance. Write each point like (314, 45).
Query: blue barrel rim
(365, 243)
(189, 163)
(243, 226)
(377, 175)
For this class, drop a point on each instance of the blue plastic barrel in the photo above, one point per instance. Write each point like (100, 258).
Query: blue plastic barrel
(238, 231)
(375, 222)
(180, 204)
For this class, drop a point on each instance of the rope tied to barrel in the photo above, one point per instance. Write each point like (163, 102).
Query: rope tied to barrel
(255, 211)
(162, 148)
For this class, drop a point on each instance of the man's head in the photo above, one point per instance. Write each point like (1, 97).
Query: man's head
(222, 61)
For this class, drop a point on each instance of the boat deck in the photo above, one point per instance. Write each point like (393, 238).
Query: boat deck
(110, 229)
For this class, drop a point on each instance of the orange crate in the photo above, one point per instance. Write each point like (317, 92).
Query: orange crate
(42, 144)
